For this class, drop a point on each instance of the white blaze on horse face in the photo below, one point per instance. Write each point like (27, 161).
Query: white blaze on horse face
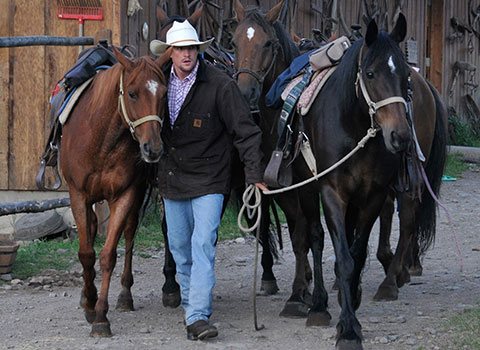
(152, 86)
(391, 65)
(250, 33)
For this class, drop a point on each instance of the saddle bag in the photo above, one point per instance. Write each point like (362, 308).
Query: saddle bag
(329, 54)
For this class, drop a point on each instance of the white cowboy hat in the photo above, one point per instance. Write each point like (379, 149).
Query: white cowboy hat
(181, 34)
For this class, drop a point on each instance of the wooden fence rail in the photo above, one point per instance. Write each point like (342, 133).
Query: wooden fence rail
(33, 206)
(39, 40)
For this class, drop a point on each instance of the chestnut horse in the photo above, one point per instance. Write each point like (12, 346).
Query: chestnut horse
(110, 143)
(372, 89)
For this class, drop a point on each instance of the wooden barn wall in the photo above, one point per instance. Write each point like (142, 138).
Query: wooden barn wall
(28, 74)
(462, 48)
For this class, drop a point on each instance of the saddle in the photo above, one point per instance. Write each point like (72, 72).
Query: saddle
(62, 101)
(301, 93)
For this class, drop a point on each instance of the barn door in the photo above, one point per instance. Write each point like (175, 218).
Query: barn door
(138, 24)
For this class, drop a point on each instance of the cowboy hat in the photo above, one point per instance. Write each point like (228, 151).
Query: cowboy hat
(181, 34)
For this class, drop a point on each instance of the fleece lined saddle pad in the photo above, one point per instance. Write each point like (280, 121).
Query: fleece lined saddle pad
(311, 91)
(71, 100)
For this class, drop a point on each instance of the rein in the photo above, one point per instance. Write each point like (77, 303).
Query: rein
(123, 111)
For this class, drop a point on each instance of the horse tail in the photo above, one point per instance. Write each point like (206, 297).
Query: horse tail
(426, 213)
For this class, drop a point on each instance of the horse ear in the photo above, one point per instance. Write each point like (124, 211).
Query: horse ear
(240, 10)
(162, 16)
(372, 33)
(161, 60)
(122, 59)
(274, 12)
(400, 30)
(296, 39)
(195, 16)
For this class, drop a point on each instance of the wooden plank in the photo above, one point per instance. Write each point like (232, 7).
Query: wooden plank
(4, 95)
(436, 40)
(28, 97)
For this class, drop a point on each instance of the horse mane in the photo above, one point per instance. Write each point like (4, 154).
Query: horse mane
(288, 47)
(108, 81)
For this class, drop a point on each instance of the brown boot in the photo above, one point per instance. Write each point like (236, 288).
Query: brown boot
(201, 330)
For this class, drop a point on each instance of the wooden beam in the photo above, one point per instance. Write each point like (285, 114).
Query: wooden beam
(33, 206)
(39, 40)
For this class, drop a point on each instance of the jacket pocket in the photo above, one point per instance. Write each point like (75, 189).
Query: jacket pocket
(199, 124)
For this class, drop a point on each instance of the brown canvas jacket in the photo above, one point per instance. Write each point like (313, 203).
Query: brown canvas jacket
(213, 119)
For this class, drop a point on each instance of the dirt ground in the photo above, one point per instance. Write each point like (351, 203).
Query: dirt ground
(48, 316)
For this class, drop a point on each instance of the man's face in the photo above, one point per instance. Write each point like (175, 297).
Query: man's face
(184, 60)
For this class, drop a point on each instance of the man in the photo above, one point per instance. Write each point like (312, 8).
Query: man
(207, 118)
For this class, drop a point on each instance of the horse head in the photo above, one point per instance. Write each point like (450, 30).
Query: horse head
(256, 50)
(142, 97)
(383, 79)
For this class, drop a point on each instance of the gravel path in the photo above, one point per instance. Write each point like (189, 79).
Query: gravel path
(46, 315)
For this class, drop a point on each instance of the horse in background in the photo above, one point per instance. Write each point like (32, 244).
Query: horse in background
(109, 145)
(353, 194)
(263, 50)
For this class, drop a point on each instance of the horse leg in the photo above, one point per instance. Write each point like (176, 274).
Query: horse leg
(300, 300)
(388, 289)
(119, 213)
(86, 222)
(318, 314)
(170, 289)
(413, 259)
(349, 334)
(384, 250)
(125, 299)
(269, 282)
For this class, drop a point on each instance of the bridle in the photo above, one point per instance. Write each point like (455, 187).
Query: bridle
(123, 111)
(262, 74)
(373, 107)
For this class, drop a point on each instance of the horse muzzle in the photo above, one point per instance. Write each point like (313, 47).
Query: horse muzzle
(151, 153)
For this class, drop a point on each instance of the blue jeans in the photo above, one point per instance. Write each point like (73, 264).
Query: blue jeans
(192, 226)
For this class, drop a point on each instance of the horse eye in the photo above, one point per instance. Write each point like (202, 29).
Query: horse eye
(132, 95)
(268, 44)
(370, 75)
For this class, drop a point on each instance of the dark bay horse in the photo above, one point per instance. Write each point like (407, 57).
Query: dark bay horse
(353, 194)
(109, 144)
(170, 288)
(260, 56)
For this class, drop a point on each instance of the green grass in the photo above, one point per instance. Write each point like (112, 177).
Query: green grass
(455, 167)
(56, 254)
(38, 256)
(463, 134)
(465, 327)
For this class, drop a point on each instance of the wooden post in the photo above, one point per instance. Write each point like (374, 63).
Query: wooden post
(435, 41)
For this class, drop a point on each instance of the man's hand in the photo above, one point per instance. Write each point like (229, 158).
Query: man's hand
(262, 186)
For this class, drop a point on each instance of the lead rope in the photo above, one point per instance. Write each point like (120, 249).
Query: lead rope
(252, 210)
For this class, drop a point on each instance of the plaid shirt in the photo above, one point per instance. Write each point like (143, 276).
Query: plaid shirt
(177, 92)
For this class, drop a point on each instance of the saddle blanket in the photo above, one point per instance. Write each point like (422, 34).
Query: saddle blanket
(311, 91)
(71, 100)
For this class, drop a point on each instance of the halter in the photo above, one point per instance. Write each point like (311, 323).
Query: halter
(373, 107)
(123, 111)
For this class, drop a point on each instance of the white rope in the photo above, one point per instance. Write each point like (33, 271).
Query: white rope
(252, 209)
(370, 133)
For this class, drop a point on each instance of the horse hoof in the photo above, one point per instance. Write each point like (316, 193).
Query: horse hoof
(294, 309)
(269, 287)
(171, 299)
(345, 344)
(386, 293)
(318, 319)
(101, 329)
(124, 304)
(89, 315)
